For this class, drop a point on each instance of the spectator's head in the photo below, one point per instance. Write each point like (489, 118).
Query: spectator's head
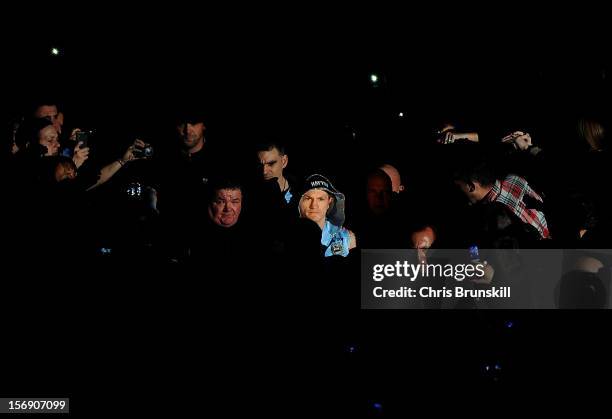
(321, 201)
(55, 171)
(65, 169)
(423, 238)
(273, 160)
(379, 192)
(475, 180)
(48, 137)
(591, 131)
(49, 110)
(394, 175)
(581, 290)
(226, 203)
(191, 127)
(39, 136)
(581, 287)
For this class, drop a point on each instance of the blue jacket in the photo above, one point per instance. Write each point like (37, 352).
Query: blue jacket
(335, 240)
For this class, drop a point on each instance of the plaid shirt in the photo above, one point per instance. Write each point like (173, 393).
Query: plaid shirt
(512, 192)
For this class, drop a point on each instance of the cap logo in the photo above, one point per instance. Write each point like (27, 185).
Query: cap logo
(316, 183)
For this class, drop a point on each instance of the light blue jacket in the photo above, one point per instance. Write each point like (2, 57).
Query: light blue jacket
(335, 239)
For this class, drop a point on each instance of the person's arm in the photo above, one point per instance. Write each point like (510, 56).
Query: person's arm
(469, 136)
(352, 240)
(449, 137)
(110, 170)
(80, 155)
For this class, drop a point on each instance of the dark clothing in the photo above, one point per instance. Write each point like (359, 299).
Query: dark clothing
(573, 182)
(495, 226)
(222, 254)
(210, 241)
(183, 184)
(388, 231)
(274, 214)
(593, 174)
(394, 228)
(183, 180)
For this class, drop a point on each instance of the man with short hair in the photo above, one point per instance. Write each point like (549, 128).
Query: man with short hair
(225, 207)
(48, 109)
(188, 165)
(378, 192)
(220, 234)
(275, 203)
(273, 160)
(183, 173)
(510, 206)
(322, 203)
(191, 132)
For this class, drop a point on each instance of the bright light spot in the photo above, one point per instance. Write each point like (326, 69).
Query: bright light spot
(373, 78)
(401, 114)
(55, 51)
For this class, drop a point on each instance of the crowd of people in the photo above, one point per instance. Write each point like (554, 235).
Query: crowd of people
(189, 209)
(186, 200)
(207, 206)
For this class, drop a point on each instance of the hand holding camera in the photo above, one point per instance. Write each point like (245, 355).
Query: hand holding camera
(448, 135)
(80, 153)
(138, 150)
(520, 140)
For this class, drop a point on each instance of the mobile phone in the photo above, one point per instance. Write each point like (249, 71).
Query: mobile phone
(474, 253)
(83, 137)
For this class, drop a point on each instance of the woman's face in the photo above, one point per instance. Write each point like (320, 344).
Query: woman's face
(48, 137)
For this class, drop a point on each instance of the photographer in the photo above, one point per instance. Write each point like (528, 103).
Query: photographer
(448, 134)
(37, 139)
(77, 146)
(570, 177)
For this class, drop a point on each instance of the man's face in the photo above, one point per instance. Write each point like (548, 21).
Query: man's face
(49, 138)
(192, 135)
(50, 113)
(226, 206)
(465, 188)
(379, 194)
(272, 163)
(314, 205)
